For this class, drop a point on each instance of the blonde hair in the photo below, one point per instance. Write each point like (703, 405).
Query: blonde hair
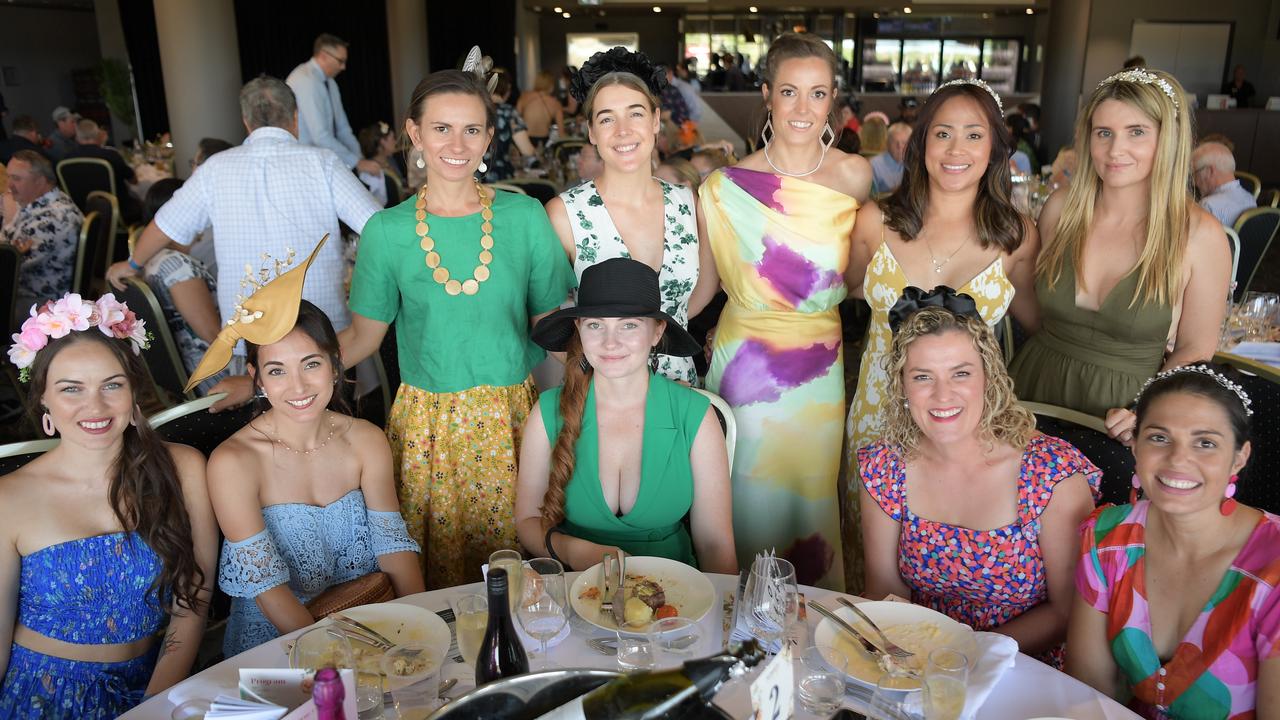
(1003, 419)
(874, 135)
(543, 82)
(1169, 203)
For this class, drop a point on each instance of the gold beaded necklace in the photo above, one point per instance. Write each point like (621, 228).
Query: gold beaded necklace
(471, 285)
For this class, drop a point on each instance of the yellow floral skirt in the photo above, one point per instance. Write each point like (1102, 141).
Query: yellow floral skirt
(455, 462)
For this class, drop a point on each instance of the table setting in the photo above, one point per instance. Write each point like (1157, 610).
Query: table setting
(818, 651)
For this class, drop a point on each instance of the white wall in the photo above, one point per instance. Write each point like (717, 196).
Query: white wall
(45, 46)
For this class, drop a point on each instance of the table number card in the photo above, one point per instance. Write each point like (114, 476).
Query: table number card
(773, 689)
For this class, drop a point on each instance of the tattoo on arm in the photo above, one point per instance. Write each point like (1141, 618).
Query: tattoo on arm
(171, 642)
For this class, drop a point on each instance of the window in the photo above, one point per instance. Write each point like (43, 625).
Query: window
(919, 66)
(581, 46)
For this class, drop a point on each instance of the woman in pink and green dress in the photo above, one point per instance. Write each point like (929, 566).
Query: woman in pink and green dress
(1177, 611)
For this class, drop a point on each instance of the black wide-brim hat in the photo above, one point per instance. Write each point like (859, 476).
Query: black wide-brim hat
(616, 288)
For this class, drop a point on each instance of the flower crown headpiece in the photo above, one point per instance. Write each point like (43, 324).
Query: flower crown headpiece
(976, 83)
(1202, 370)
(1145, 77)
(617, 59)
(59, 318)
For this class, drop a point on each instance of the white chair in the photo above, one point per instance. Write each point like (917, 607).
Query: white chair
(1234, 238)
(186, 408)
(726, 419)
(1062, 413)
(15, 455)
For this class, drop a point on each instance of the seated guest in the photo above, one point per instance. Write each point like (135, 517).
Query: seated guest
(1063, 168)
(91, 141)
(207, 148)
(587, 163)
(1213, 170)
(538, 110)
(62, 141)
(1239, 88)
(592, 477)
(678, 171)
(886, 168)
(44, 225)
(710, 159)
(509, 129)
(304, 493)
(104, 540)
(874, 133)
(978, 510)
(1176, 608)
(908, 110)
(26, 136)
(185, 290)
(1024, 153)
(378, 143)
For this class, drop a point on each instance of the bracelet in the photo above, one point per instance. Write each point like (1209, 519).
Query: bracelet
(551, 551)
(134, 265)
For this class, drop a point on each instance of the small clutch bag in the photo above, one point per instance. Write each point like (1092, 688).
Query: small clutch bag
(372, 588)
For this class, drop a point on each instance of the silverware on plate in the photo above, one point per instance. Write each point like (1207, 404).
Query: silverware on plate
(356, 625)
(889, 646)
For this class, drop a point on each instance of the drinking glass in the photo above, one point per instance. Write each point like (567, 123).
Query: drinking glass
(1257, 311)
(471, 619)
(545, 613)
(321, 647)
(820, 679)
(513, 563)
(634, 652)
(675, 640)
(772, 599)
(945, 677)
(413, 678)
(894, 698)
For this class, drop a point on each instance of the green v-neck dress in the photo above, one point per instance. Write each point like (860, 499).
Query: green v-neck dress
(1091, 360)
(654, 526)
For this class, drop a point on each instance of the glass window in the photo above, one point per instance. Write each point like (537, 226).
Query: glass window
(697, 41)
(880, 65)
(920, 66)
(581, 46)
(1000, 64)
(959, 59)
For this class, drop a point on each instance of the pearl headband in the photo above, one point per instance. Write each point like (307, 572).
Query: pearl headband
(1203, 370)
(1145, 77)
(977, 83)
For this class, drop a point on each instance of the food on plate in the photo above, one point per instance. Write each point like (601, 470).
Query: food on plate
(919, 637)
(591, 593)
(406, 665)
(636, 612)
(664, 612)
(649, 592)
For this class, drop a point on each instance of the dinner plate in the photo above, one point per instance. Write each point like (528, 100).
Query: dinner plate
(687, 589)
(864, 669)
(401, 623)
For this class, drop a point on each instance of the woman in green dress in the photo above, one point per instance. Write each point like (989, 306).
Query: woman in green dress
(463, 271)
(619, 456)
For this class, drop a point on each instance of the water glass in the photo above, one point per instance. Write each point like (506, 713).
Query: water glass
(675, 640)
(546, 610)
(321, 647)
(820, 679)
(895, 697)
(412, 671)
(946, 676)
(471, 619)
(513, 562)
(772, 599)
(634, 652)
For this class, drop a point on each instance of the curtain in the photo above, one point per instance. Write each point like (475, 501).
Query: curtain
(138, 18)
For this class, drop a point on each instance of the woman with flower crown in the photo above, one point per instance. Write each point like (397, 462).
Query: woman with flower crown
(463, 271)
(1177, 610)
(1134, 276)
(104, 540)
(952, 223)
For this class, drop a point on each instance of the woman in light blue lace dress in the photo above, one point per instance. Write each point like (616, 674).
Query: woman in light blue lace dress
(304, 492)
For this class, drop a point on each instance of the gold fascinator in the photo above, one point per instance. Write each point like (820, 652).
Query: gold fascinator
(264, 317)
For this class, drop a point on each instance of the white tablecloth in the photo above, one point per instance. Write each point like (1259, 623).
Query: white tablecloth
(1030, 690)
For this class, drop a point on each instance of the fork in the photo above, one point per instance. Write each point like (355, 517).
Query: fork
(355, 627)
(603, 645)
(889, 646)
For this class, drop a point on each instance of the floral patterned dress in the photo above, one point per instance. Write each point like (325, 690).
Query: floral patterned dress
(597, 239)
(983, 578)
(1213, 673)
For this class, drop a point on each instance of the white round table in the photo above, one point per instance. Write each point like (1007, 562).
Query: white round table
(1030, 689)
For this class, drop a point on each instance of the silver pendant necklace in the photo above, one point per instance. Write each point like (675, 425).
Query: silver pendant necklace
(937, 266)
(780, 171)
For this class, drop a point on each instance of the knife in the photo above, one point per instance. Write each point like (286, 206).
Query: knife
(619, 594)
(606, 599)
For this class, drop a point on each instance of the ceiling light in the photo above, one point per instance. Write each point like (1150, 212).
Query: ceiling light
(986, 16)
(906, 10)
(1030, 11)
(753, 9)
(657, 9)
(557, 10)
(565, 15)
(875, 15)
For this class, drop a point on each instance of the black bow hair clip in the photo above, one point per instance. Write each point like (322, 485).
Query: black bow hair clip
(914, 300)
(617, 59)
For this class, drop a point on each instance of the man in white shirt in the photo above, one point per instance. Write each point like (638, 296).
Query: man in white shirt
(269, 195)
(1213, 170)
(322, 121)
(886, 168)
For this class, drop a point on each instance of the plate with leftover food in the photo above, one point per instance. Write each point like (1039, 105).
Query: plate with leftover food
(914, 628)
(655, 588)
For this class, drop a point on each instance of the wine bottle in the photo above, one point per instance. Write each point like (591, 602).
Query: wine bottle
(501, 654)
(655, 695)
(328, 694)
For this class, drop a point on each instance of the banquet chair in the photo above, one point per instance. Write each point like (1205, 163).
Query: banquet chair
(541, 189)
(204, 430)
(10, 265)
(95, 235)
(185, 409)
(1233, 238)
(1256, 229)
(508, 187)
(1089, 435)
(15, 455)
(1249, 182)
(564, 150)
(164, 362)
(1257, 486)
(727, 421)
(80, 176)
(1269, 198)
(104, 203)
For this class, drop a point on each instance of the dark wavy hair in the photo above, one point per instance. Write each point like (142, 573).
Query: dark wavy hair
(999, 222)
(315, 324)
(145, 492)
(1195, 383)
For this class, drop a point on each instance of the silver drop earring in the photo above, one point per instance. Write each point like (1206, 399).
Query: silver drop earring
(422, 164)
(482, 168)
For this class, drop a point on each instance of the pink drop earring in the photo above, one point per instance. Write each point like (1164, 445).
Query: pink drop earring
(46, 424)
(1136, 492)
(1229, 503)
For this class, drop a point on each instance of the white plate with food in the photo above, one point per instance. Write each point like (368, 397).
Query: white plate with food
(655, 588)
(912, 627)
(399, 623)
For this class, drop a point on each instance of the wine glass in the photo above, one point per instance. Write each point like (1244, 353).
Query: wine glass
(545, 612)
(945, 677)
(471, 618)
(772, 599)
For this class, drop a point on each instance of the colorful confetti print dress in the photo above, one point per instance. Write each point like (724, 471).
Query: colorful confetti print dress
(781, 246)
(1214, 671)
(983, 578)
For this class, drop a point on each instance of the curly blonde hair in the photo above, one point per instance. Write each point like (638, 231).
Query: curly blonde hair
(1003, 419)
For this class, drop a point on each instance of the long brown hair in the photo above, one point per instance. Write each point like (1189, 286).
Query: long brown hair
(998, 222)
(145, 492)
(573, 400)
(316, 325)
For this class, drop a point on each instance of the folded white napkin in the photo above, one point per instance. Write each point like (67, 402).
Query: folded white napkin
(996, 654)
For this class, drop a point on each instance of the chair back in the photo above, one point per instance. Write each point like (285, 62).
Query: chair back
(1257, 486)
(508, 187)
(163, 359)
(542, 190)
(204, 430)
(1233, 238)
(1249, 182)
(10, 262)
(564, 150)
(1089, 435)
(185, 409)
(92, 229)
(15, 455)
(1256, 229)
(1269, 198)
(727, 422)
(80, 176)
(106, 205)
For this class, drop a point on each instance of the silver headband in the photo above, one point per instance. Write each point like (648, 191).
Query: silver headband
(977, 83)
(1203, 370)
(1145, 77)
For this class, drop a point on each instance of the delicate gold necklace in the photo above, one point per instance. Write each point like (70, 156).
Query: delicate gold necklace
(471, 285)
(937, 266)
(332, 428)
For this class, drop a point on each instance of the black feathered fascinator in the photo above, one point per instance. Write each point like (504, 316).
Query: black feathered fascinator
(617, 59)
(914, 299)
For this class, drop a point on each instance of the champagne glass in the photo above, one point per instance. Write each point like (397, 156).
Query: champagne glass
(513, 563)
(546, 611)
(471, 618)
(945, 677)
(772, 599)
(893, 697)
